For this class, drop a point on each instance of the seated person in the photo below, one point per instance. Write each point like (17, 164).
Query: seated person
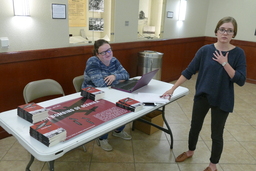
(103, 70)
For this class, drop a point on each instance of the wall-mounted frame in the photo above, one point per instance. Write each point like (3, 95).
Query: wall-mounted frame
(59, 11)
(96, 24)
(169, 14)
(96, 5)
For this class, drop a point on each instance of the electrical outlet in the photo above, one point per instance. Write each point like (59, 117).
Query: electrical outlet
(126, 23)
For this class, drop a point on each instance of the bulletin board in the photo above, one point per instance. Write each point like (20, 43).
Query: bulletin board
(77, 13)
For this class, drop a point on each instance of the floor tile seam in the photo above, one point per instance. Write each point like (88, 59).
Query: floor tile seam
(225, 129)
(150, 140)
(94, 162)
(133, 154)
(235, 164)
(93, 145)
(184, 112)
(8, 149)
(156, 162)
(247, 151)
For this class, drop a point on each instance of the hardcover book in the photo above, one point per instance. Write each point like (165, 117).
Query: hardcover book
(92, 93)
(32, 112)
(48, 133)
(130, 104)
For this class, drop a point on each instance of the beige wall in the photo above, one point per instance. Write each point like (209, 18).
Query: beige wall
(194, 24)
(243, 11)
(40, 31)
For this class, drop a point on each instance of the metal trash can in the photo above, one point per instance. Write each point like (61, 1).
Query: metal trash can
(149, 61)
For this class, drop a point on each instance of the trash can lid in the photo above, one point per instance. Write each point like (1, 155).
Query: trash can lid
(151, 53)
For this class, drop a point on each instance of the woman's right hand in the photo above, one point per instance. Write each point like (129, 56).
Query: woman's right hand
(167, 94)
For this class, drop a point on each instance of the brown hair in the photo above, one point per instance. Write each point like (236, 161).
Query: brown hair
(98, 44)
(227, 20)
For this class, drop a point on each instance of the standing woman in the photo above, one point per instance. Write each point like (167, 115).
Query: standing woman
(103, 70)
(219, 66)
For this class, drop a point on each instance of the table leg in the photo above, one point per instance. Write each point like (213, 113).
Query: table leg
(32, 158)
(168, 130)
(168, 127)
(51, 165)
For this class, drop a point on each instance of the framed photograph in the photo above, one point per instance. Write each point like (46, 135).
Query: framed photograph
(59, 11)
(96, 24)
(96, 5)
(169, 14)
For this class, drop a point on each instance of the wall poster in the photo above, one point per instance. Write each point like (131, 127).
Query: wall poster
(77, 13)
(96, 24)
(96, 5)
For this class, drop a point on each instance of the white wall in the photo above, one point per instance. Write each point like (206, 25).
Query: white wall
(126, 10)
(39, 31)
(194, 24)
(243, 11)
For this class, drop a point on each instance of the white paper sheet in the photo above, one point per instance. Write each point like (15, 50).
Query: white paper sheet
(150, 97)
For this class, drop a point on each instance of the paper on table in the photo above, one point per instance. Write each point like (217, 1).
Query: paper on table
(150, 97)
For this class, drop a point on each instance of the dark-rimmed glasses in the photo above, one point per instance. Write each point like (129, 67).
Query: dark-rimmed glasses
(106, 51)
(228, 31)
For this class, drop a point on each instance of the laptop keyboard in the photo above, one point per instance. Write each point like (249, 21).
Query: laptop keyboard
(129, 85)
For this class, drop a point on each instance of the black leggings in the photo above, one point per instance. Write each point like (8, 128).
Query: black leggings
(218, 119)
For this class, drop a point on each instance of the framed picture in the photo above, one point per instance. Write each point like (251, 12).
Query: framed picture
(96, 5)
(169, 14)
(96, 24)
(59, 11)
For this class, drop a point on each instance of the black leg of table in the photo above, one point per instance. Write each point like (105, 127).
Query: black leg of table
(168, 127)
(32, 158)
(168, 130)
(51, 164)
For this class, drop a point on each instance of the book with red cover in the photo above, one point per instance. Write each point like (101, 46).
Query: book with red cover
(32, 112)
(130, 104)
(47, 132)
(92, 93)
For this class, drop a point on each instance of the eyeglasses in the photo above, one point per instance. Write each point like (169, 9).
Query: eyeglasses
(106, 51)
(222, 31)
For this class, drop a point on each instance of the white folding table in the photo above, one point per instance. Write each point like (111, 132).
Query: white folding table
(19, 127)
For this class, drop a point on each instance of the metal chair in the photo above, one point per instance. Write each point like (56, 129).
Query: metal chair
(41, 88)
(77, 82)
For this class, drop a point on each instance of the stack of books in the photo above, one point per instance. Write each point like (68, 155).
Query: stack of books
(130, 104)
(92, 93)
(48, 133)
(32, 112)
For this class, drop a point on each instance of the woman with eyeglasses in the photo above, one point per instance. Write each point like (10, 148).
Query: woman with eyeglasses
(219, 66)
(103, 70)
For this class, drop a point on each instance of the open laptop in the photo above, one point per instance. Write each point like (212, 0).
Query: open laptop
(132, 85)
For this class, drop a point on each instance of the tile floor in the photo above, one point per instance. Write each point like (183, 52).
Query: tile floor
(152, 153)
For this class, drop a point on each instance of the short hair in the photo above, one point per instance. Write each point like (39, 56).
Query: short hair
(98, 44)
(227, 20)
